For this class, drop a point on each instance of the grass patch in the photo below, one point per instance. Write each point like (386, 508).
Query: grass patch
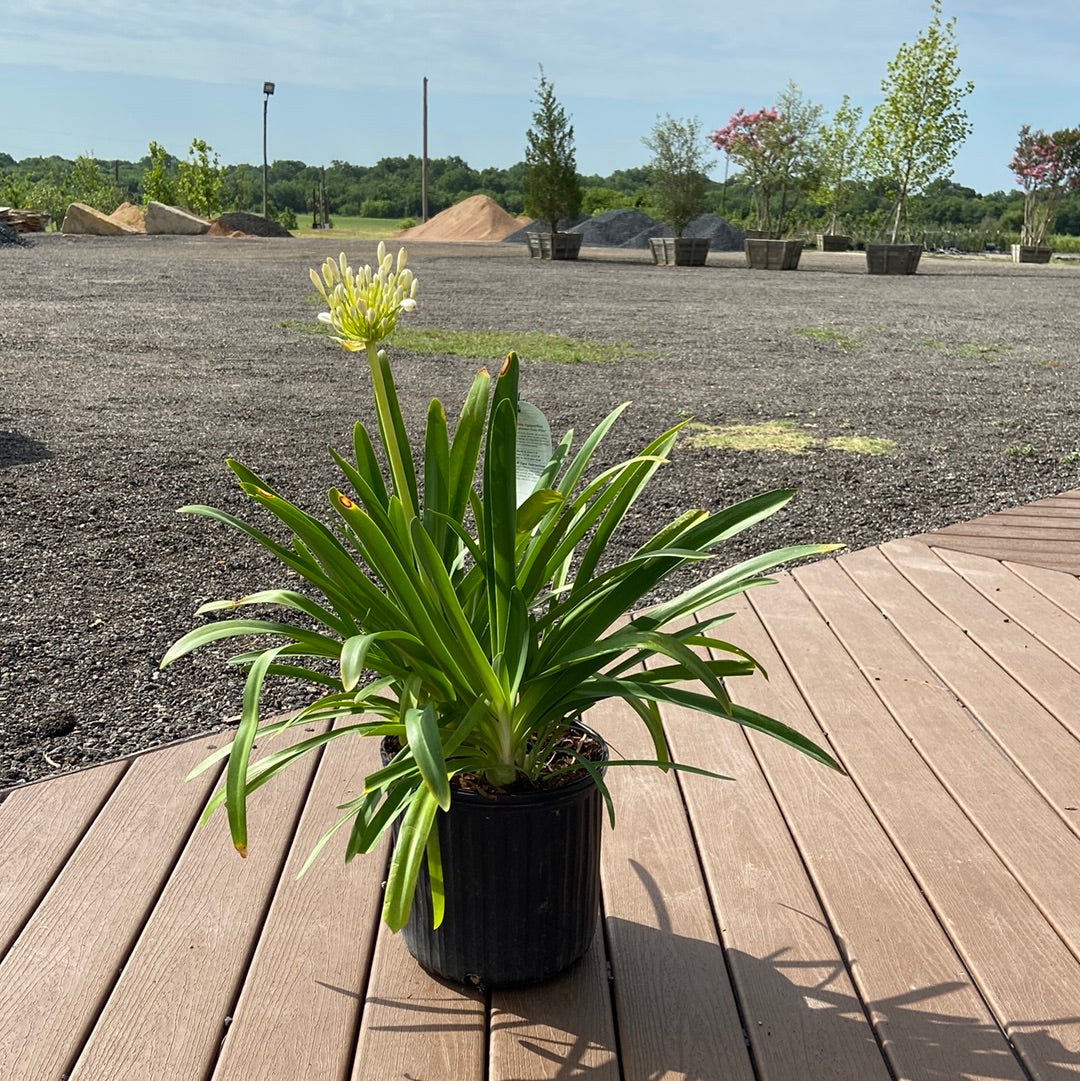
(1019, 450)
(782, 436)
(778, 435)
(1072, 456)
(981, 351)
(350, 228)
(491, 344)
(1048, 362)
(861, 444)
(833, 337)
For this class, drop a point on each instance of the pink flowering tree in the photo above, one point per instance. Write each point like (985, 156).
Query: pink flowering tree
(775, 149)
(1046, 167)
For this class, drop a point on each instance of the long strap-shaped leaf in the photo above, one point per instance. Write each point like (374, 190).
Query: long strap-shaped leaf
(500, 517)
(410, 849)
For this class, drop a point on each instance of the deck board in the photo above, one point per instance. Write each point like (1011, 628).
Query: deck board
(56, 977)
(915, 918)
(1043, 534)
(41, 827)
(167, 1014)
(1029, 979)
(676, 1010)
(301, 1000)
(929, 1017)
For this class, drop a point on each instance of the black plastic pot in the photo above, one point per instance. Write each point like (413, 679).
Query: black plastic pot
(521, 875)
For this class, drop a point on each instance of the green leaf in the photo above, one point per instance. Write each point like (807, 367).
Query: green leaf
(410, 849)
(436, 474)
(500, 516)
(236, 773)
(316, 644)
(465, 449)
(422, 733)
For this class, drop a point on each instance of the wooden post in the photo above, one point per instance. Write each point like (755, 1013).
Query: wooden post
(424, 163)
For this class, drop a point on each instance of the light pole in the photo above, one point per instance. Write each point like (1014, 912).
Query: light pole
(268, 89)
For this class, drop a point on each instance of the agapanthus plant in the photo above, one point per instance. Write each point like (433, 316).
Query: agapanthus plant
(1046, 167)
(467, 609)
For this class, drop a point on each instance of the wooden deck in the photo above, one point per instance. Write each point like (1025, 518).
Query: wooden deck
(918, 918)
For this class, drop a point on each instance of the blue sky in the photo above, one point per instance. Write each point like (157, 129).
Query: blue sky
(348, 73)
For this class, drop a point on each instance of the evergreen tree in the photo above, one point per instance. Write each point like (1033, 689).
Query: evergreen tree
(552, 188)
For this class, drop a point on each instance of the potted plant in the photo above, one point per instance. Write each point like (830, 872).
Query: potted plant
(1046, 167)
(775, 147)
(839, 157)
(465, 615)
(913, 134)
(677, 177)
(551, 186)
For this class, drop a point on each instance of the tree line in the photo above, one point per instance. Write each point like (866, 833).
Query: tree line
(948, 214)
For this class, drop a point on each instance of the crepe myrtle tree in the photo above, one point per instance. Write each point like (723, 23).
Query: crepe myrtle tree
(914, 133)
(677, 170)
(1046, 167)
(551, 184)
(776, 148)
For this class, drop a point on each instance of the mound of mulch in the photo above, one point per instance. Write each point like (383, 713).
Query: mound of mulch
(242, 224)
(477, 219)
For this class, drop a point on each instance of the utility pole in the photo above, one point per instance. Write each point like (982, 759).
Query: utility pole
(423, 163)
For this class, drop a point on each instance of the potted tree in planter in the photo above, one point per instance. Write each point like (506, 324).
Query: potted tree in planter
(462, 611)
(677, 176)
(1046, 167)
(776, 149)
(551, 185)
(913, 134)
(839, 162)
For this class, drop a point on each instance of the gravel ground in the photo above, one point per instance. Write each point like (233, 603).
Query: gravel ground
(132, 367)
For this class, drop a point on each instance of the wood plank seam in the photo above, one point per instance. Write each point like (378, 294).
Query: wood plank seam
(244, 967)
(879, 815)
(47, 884)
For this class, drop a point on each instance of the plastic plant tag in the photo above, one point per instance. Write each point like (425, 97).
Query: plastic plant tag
(533, 448)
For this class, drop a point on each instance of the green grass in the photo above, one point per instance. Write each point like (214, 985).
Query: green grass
(346, 228)
(981, 350)
(492, 344)
(1020, 450)
(834, 337)
(861, 444)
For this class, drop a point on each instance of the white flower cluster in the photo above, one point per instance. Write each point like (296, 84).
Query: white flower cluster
(364, 305)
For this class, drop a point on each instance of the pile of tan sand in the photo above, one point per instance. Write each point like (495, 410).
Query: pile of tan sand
(130, 215)
(476, 219)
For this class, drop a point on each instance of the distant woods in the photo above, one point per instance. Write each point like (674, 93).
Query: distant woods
(948, 213)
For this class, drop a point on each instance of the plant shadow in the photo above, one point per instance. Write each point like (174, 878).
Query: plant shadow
(19, 449)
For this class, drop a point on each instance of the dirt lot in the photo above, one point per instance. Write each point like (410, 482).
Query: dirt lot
(132, 367)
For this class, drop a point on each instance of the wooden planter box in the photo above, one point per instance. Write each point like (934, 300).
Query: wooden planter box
(554, 245)
(833, 242)
(772, 254)
(1031, 253)
(892, 258)
(679, 251)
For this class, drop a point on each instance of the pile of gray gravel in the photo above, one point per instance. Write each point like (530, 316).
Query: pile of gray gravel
(630, 228)
(132, 367)
(11, 238)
